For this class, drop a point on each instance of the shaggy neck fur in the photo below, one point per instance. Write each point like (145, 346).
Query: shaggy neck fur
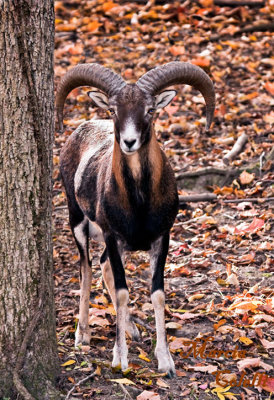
(147, 161)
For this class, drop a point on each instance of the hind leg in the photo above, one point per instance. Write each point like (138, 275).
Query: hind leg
(80, 229)
(131, 328)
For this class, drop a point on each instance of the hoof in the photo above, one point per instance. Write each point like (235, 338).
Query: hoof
(165, 363)
(82, 337)
(119, 358)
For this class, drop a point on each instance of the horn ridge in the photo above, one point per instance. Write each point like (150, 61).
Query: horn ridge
(176, 72)
(86, 75)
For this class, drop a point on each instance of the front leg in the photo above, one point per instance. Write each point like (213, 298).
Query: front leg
(158, 254)
(120, 350)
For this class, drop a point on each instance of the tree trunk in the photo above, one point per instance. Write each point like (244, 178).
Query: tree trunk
(28, 351)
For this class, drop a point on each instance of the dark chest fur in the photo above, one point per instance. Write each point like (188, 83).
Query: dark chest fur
(147, 215)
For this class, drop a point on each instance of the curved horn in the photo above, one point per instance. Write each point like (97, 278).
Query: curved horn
(86, 75)
(176, 72)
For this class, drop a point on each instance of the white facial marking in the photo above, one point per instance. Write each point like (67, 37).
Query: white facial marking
(128, 135)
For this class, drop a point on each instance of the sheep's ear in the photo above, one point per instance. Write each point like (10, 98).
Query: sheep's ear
(100, 99)
(164, 98)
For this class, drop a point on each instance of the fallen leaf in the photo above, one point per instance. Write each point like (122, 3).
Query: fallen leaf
(201, 62)
(269, 86)
(245, 305)
(253, 362)
(255, 225)
(219, 323)
(206, 368)
(185, 316)
(146, 395)
(69, 362)
(246, 178)
(267, 345)
(269, 118)
(173, 325)
(232, 280)
(245, 340)
(94, 320)
(177, 50)
(143, 355)
(123, 381)
(195, 297)
(162, 383)
(268, 384)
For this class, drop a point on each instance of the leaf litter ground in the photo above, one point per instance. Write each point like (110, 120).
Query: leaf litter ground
(219, 271)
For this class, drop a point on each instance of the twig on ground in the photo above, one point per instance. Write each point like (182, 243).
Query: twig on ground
(238, 3)
(251, 200)
(125, 391)
(236, 149)
(198, 197)
(79, 383)
(205, 171)
(257, 27)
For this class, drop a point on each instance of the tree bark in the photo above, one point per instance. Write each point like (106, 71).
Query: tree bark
(28, 351)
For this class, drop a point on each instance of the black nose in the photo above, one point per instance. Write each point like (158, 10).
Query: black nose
(130, 143)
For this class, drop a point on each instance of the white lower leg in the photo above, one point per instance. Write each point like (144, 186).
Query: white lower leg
(82, 335)
(165, 362)
(109, 282)
(120, 350)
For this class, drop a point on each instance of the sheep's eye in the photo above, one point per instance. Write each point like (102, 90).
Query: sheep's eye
(111, 111)
(151, 111)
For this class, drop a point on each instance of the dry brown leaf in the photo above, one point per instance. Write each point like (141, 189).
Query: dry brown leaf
(196, 296)
(162, 383)
(185, 316)
(179, 343)
(205, 368)
(232, 280)
(267, 344)
(253, 362)
(94, 320)
(123, 381)
(246, 178)
(173, 325)
(146, 395)
(269, 118)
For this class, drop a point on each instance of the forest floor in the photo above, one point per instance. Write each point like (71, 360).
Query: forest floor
(219, 271)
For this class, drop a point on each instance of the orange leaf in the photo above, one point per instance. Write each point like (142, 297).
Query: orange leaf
(201, 62)
(220, 323)
(92, 26)
(108, 6)
(245, 305)
(223, 190)
(269, 86)
(249, 96)
(246, 178)
(177, 50)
